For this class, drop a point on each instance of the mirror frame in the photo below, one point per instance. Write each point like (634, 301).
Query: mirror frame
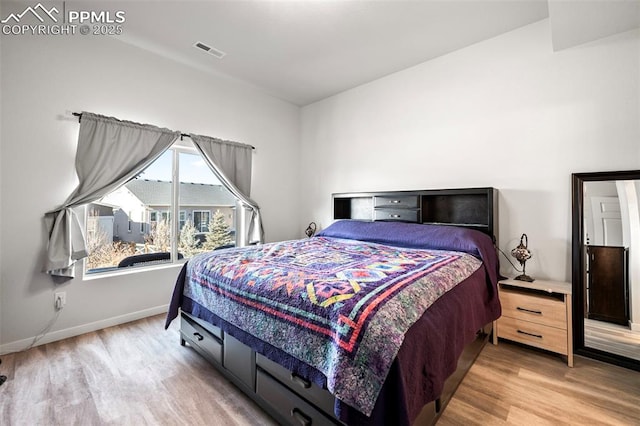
(578, 265)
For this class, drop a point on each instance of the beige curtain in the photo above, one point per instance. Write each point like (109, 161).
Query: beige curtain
(231, 163)
(110, 152)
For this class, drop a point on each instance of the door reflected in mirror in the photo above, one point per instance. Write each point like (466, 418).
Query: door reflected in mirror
(610, 253)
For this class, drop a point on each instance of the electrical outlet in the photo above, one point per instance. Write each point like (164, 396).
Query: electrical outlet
(59, 300)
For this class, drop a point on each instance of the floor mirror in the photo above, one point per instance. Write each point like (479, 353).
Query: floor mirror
(606, 266)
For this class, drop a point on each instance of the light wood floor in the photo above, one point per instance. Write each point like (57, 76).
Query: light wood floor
(612, 338)
(137, 374)
(511, 384)
(132, 374)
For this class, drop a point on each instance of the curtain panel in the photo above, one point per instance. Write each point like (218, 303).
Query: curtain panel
(231, 163)
(110, 152)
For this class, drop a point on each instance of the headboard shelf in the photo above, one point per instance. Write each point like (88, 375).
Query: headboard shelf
(475, 208)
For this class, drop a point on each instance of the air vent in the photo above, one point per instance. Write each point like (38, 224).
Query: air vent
(210, 50)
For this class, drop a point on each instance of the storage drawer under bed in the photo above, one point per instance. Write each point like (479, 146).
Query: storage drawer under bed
(208, 341)
(289, 407)
(309, 391)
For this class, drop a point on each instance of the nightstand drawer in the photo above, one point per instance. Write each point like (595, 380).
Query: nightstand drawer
(529, 333)
(535, 308)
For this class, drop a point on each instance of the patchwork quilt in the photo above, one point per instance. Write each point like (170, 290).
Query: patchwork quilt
(342, 306)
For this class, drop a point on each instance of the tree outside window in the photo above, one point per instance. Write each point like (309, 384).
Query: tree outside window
(218, 234)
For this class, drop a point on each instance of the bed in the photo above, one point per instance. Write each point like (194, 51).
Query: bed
(373, 321)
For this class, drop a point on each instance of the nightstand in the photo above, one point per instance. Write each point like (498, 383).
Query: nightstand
(536, 314)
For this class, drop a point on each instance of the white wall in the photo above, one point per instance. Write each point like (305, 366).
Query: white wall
(508, 113)
(45, 76)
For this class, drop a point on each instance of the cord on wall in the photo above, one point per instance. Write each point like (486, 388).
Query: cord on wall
(45, 331)
(3, 378)
(508, 260)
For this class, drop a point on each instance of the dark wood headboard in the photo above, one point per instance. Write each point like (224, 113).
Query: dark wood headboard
(475, 208)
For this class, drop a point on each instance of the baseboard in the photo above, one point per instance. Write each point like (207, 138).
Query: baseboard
(20, 345)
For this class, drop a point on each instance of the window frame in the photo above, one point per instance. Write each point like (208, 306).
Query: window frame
(172, 211)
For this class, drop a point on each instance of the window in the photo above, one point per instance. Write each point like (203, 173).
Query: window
(201, 220)
(180, 174)
(182, 219)
(143, 221)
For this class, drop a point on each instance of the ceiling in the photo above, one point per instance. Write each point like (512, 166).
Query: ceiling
(303, 51)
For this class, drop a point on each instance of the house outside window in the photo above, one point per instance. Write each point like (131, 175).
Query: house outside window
(151, 195)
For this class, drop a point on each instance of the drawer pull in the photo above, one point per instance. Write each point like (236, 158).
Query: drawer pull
(301, 381)
(199, 336)
(529, 310)
(395, 216)
(395, 201)
(301, 417)
(538, 336)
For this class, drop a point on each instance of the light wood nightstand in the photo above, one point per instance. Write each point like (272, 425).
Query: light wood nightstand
(536, 314)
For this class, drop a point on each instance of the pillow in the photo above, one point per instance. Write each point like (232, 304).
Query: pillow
(415, 235)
